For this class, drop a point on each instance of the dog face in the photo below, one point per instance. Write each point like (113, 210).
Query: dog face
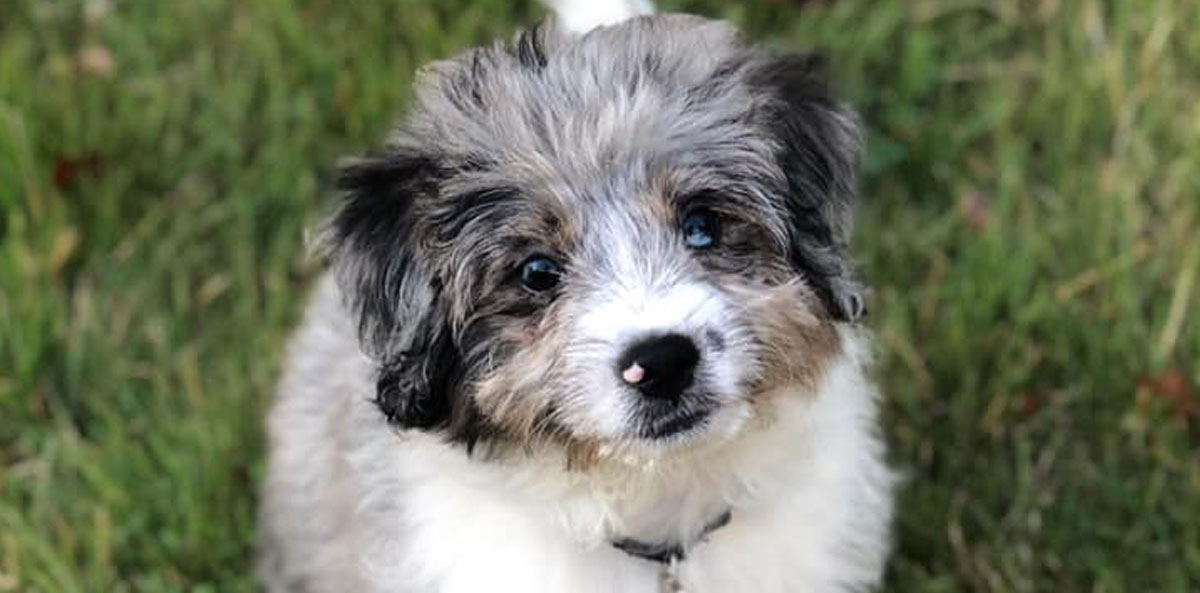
(629, 238)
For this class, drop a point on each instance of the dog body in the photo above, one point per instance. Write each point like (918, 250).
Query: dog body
(593, 292)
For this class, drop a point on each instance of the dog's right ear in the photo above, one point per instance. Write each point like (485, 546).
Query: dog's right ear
(374, 247)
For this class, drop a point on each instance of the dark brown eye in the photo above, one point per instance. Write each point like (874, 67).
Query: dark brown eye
(540, 273)
(701, 228)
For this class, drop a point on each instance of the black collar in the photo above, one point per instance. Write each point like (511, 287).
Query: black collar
(668, 551)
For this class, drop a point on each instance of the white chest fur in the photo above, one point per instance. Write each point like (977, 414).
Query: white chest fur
(356, 506)
(809, 496)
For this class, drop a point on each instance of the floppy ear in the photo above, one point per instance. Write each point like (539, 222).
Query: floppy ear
(402, 316)
(819, 145)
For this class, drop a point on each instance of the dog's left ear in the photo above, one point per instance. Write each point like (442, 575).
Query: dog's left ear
(819, 147)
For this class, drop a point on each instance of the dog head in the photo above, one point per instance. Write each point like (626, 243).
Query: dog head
(626, 238)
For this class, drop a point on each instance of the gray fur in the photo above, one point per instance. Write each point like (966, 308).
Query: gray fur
(566, 129)
(590, 150)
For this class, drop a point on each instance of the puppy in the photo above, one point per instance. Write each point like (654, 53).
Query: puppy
(590, 326)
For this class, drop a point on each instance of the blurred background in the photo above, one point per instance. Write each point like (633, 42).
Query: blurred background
(1030, 223)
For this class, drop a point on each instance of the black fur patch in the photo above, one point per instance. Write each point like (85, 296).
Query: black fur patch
(402, 313)
(819, 157)
(373, 227)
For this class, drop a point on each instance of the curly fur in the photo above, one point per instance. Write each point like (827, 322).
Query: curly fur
(441, 428)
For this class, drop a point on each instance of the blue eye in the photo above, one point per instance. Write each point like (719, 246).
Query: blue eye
(540, 273)
(701, 228)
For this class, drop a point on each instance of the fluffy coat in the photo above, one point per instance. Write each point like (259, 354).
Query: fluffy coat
(440, 427)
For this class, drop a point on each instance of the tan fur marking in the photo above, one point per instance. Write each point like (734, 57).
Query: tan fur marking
(798, 339)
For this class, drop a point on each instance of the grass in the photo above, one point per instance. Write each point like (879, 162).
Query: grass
(1030, 223)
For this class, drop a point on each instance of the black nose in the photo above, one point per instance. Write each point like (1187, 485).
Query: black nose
(660, 367)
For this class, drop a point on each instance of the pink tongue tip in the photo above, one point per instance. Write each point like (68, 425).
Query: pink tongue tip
(634, 374)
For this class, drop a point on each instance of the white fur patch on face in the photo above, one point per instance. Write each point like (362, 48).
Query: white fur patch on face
(631, 313)
(628, 311)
